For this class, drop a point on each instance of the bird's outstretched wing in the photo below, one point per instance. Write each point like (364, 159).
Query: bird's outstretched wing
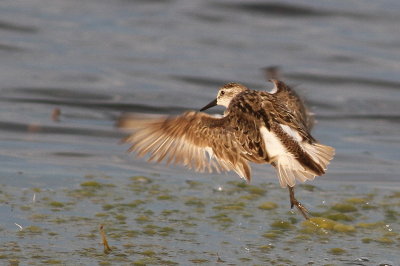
(196, 140)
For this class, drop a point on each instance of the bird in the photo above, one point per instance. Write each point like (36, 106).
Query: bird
(256, 127)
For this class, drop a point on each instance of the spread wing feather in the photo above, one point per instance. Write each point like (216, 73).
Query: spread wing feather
(196, 140)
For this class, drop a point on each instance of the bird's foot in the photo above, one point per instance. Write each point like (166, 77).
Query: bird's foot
(294, 202)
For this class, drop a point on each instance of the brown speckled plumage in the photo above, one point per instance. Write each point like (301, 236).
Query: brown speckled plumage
(257, 126)
(295, 103)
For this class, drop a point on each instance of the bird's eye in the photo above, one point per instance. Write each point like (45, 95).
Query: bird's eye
(222, 92)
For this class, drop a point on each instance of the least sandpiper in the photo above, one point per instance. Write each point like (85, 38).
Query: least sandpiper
(257, 126)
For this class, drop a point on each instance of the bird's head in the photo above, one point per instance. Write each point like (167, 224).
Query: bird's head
(225, 95)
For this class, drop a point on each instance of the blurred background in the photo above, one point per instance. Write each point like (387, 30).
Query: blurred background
(69, 68)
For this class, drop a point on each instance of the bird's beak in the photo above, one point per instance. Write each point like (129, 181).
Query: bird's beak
(211, 104)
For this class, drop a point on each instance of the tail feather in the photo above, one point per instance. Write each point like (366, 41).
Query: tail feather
(289, 168)
(321, 154)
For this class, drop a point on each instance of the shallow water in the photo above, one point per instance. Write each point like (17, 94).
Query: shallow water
(94, 60)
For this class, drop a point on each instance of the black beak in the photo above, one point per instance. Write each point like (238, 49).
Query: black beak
(211, 104)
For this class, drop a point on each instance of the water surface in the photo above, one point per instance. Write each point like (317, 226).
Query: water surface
(94, 60)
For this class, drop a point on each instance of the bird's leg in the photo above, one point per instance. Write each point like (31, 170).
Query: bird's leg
(295, 202)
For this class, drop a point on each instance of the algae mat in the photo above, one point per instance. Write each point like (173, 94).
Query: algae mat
(150, 220)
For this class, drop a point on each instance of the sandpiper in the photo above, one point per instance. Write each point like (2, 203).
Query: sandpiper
(257, 126)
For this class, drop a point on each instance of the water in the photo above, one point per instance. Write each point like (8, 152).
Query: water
(97, 59)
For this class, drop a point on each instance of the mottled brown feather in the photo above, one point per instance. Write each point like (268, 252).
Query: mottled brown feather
(286, 95)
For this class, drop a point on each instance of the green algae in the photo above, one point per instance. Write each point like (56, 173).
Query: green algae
(92, 184)
(165, 197)
(384, 240)
(239, 184)
(58, 220)
(358, 201)
(315, 224)
(302, 237)
(169, 212)
(52, 262)
(283, 225)
(273, 234)
(143, 219)
(96, 185)
(101, 214)
(133, 204)
(166, 231)
(31, 230)
(39, 217)
(338, 217)
(141, 179)
(268, 205)
(199, 261)
(104, 263)
(13, 262)
(266, 248)
(141, 262)
(82, 193)
(130, 233)
(337, 251)
(252, 189)
(308, 187)
(249, 197)
(56, 204)
(343, 228)
(367, 240)
(184, 216)
(255, 190)
(194, 201)
(222, 218)
(391, 215)
(395, 195)
(149, 253)
(107, 207)
(25, 208)
(370, 225)
(193, 184)
(120, 217)
(236, 206)
(344, 207)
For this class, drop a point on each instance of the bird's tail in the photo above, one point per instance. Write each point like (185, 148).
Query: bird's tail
(290, 168)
